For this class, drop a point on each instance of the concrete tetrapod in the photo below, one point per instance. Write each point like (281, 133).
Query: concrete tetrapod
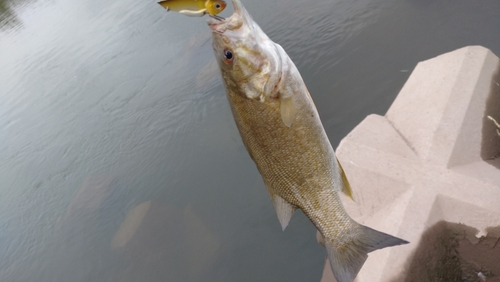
(430, 169)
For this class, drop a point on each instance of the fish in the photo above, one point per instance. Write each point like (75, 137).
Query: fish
(283, 134)
(194, 8)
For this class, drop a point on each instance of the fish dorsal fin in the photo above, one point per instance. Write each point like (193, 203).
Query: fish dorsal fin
(346, 187)
(288, 111)
(284, 210)
(199, 13)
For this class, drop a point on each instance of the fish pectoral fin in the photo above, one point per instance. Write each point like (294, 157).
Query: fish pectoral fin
(346, 187)
(189, 13)
(284, 210)
(287, 110)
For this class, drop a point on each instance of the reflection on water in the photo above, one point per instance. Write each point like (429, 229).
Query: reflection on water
(8, 12)
(7, 15)
(189, 252)
(119, 158)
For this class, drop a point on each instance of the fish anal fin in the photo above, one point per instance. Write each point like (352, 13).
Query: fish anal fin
(287, 110)
(284, 210)
(320, 238)
(346, 187)
(348, 256)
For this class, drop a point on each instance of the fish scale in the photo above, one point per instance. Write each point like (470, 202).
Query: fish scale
(291, 157)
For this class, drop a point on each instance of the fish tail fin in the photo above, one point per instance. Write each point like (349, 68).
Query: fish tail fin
(348, 256)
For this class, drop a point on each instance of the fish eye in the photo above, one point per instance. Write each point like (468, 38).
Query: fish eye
(228, 56)
(217, 6)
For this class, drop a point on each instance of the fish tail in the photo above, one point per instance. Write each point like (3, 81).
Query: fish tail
(347, 256)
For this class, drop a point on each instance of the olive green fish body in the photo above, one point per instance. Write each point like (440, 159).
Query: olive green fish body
(283, 134)
(297, 163)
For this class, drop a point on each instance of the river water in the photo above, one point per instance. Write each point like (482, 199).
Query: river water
(119, 158)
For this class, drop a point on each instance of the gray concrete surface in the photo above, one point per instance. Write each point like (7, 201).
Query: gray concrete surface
(433, 157)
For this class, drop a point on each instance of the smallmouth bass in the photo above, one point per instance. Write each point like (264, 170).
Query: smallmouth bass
(281, 130)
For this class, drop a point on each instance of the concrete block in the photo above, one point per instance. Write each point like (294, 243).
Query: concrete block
(433, 158)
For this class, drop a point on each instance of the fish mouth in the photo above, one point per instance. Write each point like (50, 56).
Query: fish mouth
(239, 17)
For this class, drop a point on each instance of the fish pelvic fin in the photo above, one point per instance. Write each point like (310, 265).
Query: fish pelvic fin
(287, 110)
(348, 256)
(346, 187)
(284, 210)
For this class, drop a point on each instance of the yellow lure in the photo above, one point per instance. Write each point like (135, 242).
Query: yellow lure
(194, 8)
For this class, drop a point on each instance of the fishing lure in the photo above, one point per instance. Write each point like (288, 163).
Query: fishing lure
(195, 8)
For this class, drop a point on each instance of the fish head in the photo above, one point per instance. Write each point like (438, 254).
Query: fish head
(214, 7)
(249, 61)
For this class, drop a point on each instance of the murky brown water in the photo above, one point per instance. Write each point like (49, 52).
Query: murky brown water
(105, 106)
